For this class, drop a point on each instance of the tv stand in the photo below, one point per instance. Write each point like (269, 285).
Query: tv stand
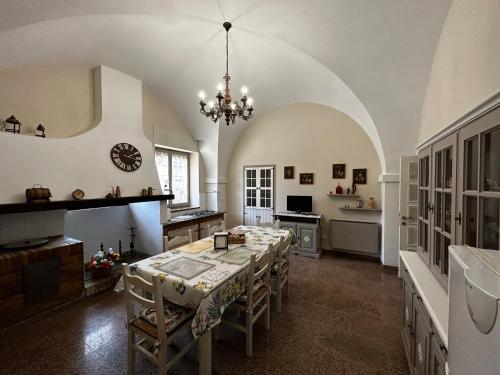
(306, 228)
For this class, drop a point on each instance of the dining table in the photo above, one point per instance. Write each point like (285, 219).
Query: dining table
(207, 280)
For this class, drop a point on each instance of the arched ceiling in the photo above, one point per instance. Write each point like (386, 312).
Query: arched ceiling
(369, 59)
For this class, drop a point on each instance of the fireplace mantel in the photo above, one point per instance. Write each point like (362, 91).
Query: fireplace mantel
(12, 208)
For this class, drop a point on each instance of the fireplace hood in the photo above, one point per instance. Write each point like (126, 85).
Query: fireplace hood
(83, 161)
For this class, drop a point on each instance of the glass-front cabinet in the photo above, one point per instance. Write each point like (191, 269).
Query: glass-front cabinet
(459, 192)
(424, 203)
(479, 184)
(443, 206)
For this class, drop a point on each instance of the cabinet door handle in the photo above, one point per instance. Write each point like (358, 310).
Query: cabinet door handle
(458, 219)
(419, 298)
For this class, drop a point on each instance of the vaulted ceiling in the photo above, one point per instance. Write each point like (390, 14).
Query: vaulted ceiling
(368, 58)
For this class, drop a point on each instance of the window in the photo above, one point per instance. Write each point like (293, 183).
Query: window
(173, 171)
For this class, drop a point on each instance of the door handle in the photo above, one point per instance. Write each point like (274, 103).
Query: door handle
(403, 223)
(458, 219)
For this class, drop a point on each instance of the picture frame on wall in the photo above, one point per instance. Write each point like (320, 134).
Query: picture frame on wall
(307, 178)
(338, 171)
(359, 176)
(289, 173)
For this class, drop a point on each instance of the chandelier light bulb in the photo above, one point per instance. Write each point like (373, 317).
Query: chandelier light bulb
(233, 106)
(210, 104)
(250, 101)
(220, 87)
(201, 95)
(244, 90)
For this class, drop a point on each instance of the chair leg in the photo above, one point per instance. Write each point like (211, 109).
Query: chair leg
(249, 331)
(162, 360)
(268, 311)
(131, 353)
(278, 296)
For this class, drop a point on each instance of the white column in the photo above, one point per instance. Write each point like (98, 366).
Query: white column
(390, 218)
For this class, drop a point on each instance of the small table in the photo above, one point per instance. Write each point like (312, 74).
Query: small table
(206, 280)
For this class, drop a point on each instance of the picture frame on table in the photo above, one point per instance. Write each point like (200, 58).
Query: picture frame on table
(359, 176)
(307, 178)
(289, 173)
(338, 171)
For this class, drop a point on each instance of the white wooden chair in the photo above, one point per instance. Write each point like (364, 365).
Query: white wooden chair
(279, 271)
(177, 241)
(155, 325)
(256, 300)
(216, 228)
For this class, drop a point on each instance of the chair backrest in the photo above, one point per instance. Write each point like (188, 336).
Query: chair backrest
(177, 241)
(284, 252)
(216, 228)
(146, 294)
(259, 270)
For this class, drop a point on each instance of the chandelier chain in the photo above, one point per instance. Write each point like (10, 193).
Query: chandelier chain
(227, 52)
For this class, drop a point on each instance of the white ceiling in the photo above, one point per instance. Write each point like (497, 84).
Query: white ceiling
(368, 58)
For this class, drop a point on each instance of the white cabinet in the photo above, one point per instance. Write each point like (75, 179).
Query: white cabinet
(306, 229)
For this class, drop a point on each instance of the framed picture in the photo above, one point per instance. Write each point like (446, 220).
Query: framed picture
(359, 176)
(289, 173)
(338, 171)
(307, 178)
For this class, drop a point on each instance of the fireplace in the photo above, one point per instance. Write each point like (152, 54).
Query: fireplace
(38, 279)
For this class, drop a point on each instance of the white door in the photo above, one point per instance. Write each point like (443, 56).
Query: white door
(408, 203)
(258, 194)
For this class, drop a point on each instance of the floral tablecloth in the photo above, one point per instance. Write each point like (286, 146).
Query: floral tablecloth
(213, 290)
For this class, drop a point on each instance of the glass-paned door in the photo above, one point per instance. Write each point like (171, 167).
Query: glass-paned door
(424, 203)
(479, 184)
(258, 194)
(443, 208)
(408, 196)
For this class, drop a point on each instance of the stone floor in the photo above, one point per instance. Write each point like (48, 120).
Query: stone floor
(342, 317)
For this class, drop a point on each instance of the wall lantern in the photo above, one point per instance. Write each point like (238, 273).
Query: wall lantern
(12, 125)
(40, 131)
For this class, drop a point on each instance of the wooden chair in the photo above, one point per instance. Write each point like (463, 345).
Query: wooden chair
(256, 300)
(216, 228)
(279, 271)
(177, 241)
(156, 324)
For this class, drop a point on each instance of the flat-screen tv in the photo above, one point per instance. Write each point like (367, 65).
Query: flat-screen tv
(299, 203)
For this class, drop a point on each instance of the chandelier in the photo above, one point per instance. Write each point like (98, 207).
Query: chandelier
(224, 105)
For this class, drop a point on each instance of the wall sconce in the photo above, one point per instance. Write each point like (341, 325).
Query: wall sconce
(12, 125)
(40, 131)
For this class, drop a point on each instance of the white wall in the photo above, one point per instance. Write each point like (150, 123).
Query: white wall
(466, 66)
(310, 137)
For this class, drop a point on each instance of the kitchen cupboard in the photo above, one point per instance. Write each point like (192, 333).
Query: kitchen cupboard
(459, 192)
(424, 349)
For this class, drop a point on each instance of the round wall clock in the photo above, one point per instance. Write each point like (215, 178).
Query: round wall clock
(126, 157)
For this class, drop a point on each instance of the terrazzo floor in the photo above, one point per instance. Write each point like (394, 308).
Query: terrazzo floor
(342, 317)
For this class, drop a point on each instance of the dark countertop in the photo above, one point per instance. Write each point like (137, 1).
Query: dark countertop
(193, 218)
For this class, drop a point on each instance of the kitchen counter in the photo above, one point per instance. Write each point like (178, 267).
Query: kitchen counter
(194, 221)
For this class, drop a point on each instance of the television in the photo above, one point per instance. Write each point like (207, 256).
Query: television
(299, 203)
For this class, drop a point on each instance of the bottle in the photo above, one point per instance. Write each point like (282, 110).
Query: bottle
(338, 190)
(371, 203)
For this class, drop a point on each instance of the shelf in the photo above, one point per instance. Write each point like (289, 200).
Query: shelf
(361, 209)
(12, 208)
(344, 195)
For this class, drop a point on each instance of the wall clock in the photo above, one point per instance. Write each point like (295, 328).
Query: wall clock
(126, 157)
